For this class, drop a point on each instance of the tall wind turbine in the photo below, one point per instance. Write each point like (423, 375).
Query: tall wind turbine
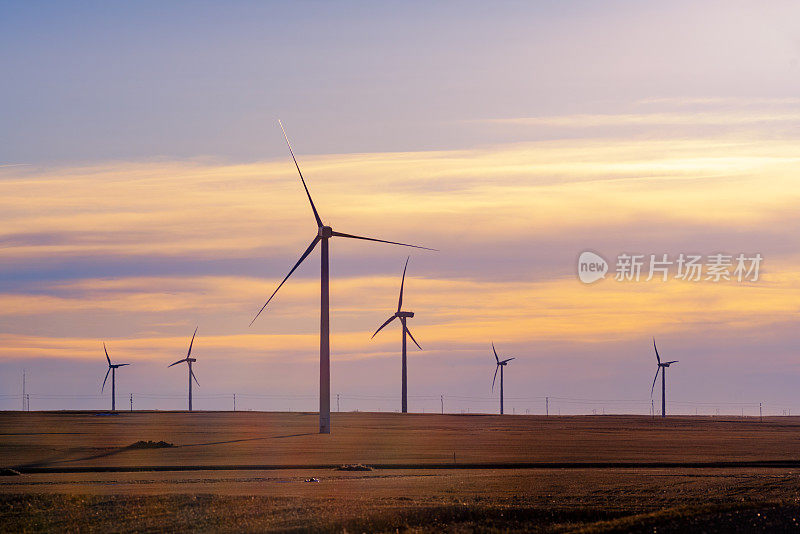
(112, 368)
(403, 316)
(662, 368)
(324, 233)
(189, 360)
(500, 365)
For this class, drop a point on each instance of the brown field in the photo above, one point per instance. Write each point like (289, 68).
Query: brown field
(246, 471)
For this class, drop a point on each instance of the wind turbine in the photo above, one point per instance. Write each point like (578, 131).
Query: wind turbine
(403, 316)
(662, 368)
(324, 233)
(189, 360)
(500, 365)
(112, 368)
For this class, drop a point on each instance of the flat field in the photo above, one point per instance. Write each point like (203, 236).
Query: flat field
(248, 471)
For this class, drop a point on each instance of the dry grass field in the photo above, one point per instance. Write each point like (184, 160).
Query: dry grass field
(247, 471)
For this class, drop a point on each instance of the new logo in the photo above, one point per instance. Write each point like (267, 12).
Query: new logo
(591, 267)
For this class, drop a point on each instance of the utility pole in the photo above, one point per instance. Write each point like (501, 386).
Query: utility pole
(441, 399)
(760, 417)
(28, 398)
(23, 390)
(234, 402)
(337, 402)
(547, 406)
(131, 401)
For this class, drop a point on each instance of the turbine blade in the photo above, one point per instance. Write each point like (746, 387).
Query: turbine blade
(351, 236)
(402, 282)
(654, 346)
(195, 378)
(508, 360)
(316, 215)
(106, 351)
(412, 338)
(673, 361)
(392, 318)
(192, 342)
(296, 265)
(176, 363)
(653, 387)
(104, 380)
(122, 364)
(495, 376)
(495, 353)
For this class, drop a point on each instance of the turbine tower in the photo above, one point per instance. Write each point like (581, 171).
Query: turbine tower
(662, 368)
(112, 368)
(403, 316)
(189, 361)
(500, 365)
(324, 233)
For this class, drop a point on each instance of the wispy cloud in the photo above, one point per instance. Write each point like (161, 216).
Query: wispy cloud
(738, 102)
(460, 312)
(693, 119)
(212, 211)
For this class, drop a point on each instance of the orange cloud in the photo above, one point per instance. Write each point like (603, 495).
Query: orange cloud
(546, 190)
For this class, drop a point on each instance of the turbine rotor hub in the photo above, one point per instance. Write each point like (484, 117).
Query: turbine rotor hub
(325, 232)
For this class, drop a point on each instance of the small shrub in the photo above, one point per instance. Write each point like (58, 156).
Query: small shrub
(151, 445)
(354, 467)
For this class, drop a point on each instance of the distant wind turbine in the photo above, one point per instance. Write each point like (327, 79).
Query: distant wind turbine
(662, 368)
(112, 368)
(500, 365)
(189, 360)
(403, 316)
(324, 233)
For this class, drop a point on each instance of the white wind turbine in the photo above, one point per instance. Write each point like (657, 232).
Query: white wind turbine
(324, 234)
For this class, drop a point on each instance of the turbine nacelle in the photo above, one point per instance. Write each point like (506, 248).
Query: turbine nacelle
(325, 232)
(405, 314)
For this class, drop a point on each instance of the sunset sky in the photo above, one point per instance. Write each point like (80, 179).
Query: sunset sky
(145, 189)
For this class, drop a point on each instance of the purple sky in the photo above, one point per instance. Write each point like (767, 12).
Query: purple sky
(145, 189)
